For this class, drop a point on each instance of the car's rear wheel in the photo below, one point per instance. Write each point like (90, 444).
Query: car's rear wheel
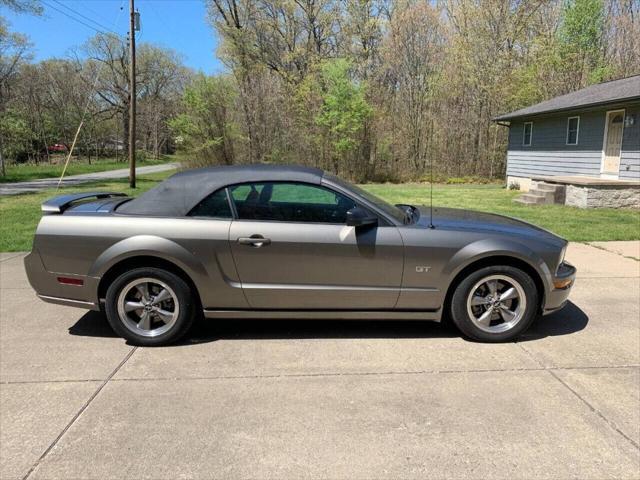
(495, 304)
(150, 306)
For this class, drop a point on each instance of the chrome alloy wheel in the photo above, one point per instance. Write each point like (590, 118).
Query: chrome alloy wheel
(148, 307)
(496, 303)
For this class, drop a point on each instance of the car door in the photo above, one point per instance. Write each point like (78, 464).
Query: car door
(293, 250)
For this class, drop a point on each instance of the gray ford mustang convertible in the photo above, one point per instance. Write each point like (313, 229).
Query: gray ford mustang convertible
(266, 242)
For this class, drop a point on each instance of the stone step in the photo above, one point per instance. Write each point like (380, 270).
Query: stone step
(547, 187)
(552, 193)
(529, 199)
(549, 196)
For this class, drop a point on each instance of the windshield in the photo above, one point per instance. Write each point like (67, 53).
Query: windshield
(396, 212)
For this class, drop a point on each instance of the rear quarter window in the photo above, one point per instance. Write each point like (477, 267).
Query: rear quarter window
(215, 205)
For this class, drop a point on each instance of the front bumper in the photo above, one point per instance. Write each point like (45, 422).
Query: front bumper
(49, 289)
(556, 298)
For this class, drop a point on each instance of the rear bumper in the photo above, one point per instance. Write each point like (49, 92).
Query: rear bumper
(557, 297)
(49, 289)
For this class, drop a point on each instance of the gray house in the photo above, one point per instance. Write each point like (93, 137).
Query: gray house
(591, 136)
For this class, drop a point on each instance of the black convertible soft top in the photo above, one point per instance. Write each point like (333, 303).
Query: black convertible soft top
(177, 195)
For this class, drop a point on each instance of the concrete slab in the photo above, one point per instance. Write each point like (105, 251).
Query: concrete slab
(605, 324)
(39, 342)
(594, 262)
(287, 399)
(587, 181)
(614, 393)
(626, 249)
(31, 417)
(12, 274)
(8, 255)
(244, 348)
(459, 425)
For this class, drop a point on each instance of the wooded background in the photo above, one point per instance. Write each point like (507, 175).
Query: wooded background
(370, 90)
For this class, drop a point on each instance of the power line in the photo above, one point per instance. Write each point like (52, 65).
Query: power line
(73, 18)
(78, 20)
(82, 15)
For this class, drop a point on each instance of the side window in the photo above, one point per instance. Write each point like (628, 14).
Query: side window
(527, 134)
(290, 202)
(215, 205)
(573, 125)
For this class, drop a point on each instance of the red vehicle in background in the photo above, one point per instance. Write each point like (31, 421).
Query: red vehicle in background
(56, 148)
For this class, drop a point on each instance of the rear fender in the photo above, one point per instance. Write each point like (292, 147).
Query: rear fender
(152, 246)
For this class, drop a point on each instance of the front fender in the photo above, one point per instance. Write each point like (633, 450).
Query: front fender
(153, 246)
(486, 248)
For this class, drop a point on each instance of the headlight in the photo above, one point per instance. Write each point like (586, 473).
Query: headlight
(561, 259)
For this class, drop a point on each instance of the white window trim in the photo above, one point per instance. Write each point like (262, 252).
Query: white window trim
(577, 130)
(524, 130)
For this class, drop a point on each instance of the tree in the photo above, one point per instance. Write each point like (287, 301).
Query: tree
(105, 71)
(622, 37)
(580, 43)
(232, 19)
(414, 52)
(343, 112)
(23, 6)
(14, 51)
(162, 78)
(205, 129)
(372, 89)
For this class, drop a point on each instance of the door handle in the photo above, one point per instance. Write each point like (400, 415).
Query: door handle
(255, 241)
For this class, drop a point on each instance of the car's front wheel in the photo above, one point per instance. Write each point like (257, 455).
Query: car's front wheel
(150, 306)
(495, 304)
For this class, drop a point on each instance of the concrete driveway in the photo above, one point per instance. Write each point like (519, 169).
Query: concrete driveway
(326, 399)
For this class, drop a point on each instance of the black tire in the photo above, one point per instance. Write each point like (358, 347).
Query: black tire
(463, 291)
(181, 299)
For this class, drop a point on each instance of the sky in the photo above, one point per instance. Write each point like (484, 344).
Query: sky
(177, 24)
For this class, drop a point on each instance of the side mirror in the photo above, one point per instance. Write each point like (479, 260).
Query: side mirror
(359, 217)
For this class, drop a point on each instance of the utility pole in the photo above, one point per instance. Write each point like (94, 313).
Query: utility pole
(132, 95)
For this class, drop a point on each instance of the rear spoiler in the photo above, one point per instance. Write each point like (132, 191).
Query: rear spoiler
(61, 203)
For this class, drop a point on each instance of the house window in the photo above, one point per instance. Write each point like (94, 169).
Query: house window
(527, 134)
(573, 125)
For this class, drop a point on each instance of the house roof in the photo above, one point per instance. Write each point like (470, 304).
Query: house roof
(603, 93)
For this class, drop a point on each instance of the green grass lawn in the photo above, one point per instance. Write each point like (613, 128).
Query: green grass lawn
(26, 172)
(19, 214)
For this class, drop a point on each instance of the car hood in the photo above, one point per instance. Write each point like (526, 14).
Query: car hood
(470, 220)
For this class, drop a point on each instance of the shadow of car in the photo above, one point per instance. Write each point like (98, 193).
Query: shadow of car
(569, 320)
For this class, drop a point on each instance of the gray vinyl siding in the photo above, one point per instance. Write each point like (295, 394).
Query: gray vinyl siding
(550, 163)
(630, 165)
(550, 133)
(549, 155)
